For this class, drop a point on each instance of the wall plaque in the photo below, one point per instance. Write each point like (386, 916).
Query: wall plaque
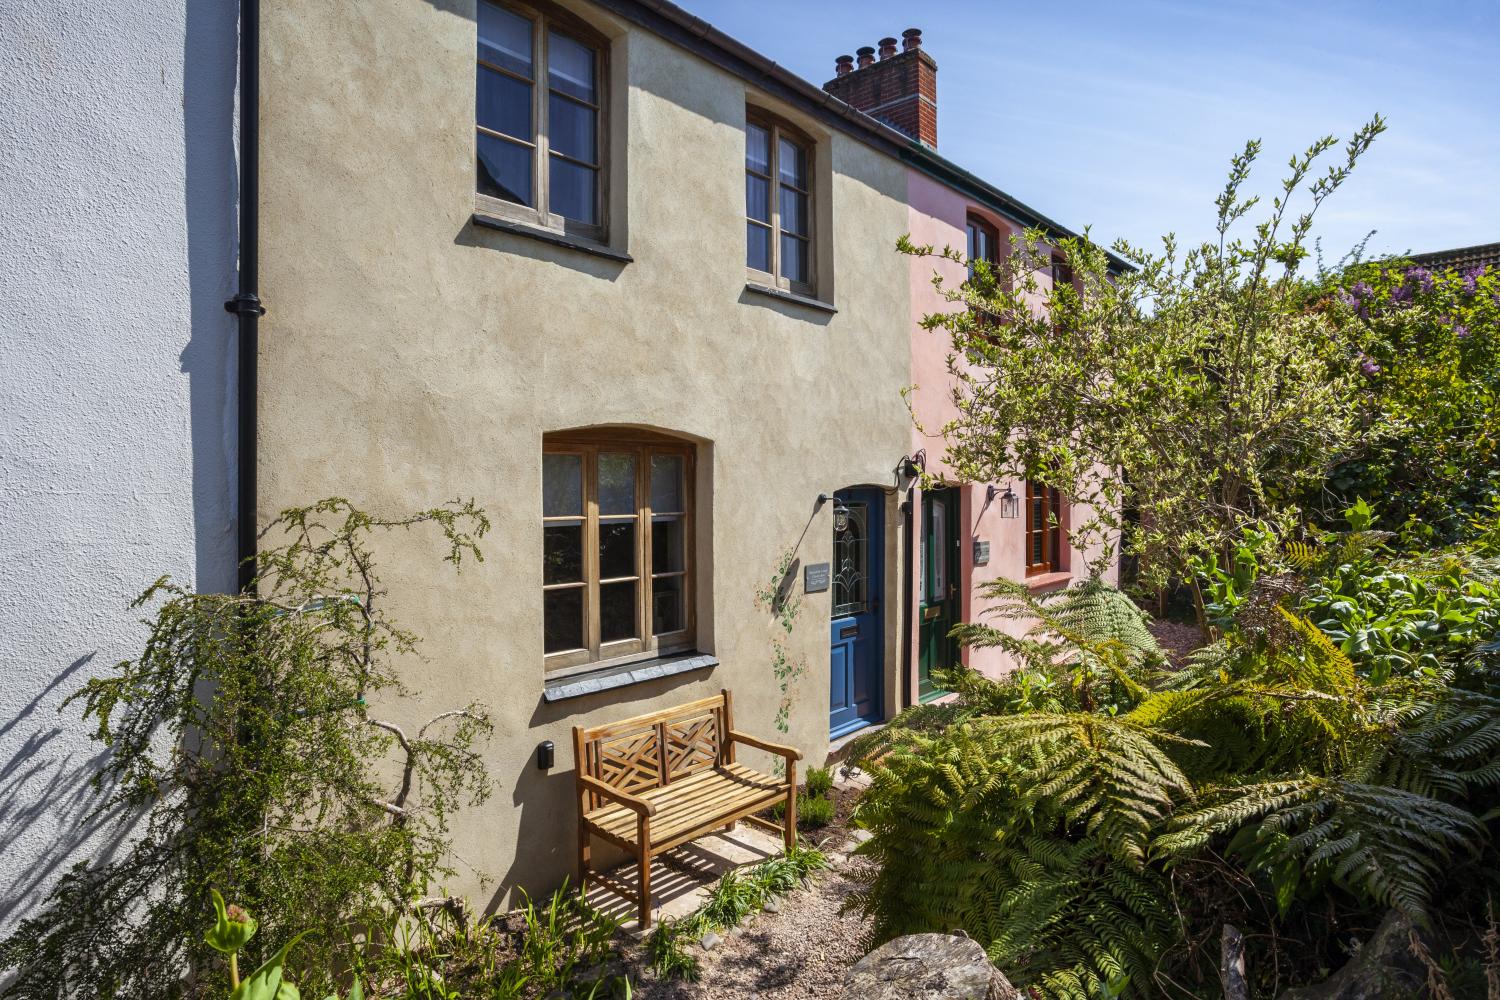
(981, 553)
(815, 578)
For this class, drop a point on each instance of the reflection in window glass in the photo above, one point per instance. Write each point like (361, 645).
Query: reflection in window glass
(617, 483)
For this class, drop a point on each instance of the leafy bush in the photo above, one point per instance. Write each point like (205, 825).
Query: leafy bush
(814, 812)
(1430, 367)
(1094, 844)
(245, 756)
(819, 781)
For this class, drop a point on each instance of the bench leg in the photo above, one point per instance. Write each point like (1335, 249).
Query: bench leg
(643, 829)
(585, 854)
(790, 836)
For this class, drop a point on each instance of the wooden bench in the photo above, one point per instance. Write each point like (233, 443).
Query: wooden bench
(659, 780)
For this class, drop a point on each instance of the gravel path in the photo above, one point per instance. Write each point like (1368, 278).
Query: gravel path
(1177, 639)
(803, 951)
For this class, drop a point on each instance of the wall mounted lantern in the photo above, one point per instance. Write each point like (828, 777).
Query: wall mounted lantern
(840, 512)
(1010, 504)
(907, 470)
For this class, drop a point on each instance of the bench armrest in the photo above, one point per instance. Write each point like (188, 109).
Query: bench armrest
(789, 753)
(634, 803)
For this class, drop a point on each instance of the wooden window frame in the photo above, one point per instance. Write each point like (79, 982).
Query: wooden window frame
(596, 654)
(778, 129)
(1062, 274)
(544, 19)
(1053, 554)
(974, 222)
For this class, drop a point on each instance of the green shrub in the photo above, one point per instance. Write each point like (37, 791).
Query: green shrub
(814, 813)
(819, 781)
(244, 756)
(1092, 847)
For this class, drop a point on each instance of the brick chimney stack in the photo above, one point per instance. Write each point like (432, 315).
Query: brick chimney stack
(900, 89)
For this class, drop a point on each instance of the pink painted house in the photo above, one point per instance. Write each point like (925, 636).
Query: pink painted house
(960, 535)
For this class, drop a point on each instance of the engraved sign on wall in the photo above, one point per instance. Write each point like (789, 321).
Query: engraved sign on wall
(815, 578)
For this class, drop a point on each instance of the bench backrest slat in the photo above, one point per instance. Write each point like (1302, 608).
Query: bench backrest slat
(653, 750)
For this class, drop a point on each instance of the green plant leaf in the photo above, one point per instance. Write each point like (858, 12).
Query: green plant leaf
(229, 932)
(265, 982)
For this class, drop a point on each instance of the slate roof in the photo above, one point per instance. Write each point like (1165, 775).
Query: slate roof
(1462, 259)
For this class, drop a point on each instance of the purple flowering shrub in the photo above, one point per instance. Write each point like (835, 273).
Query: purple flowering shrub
(1430, 362)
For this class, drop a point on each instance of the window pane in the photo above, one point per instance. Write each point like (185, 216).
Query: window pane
(562, 485)
(666, 483)
(562, 553)
(666, 605)
(504, 104)
(758, 247)
(570, 67)
(757, 198)
(666, 544)
(562, 616)
(617, 483)
(573, 192)
(793, 211)
(793, 258)
(617, 611)
(504, 38)
(757, 149)
(792, 164)
(504, 169)
(570, 129)
(616, 549)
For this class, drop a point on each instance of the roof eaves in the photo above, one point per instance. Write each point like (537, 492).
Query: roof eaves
(673, 23)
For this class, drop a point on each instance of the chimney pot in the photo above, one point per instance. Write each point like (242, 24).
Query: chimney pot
(843, 65)
(887, 47)
(866, 56)
(911, 38)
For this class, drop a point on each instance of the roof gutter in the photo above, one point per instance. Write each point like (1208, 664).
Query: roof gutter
(246, 304)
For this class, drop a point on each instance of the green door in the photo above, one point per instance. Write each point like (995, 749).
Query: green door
(938, 588)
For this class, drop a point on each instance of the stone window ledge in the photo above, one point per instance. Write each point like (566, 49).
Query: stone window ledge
(579, 685)
(578, 243)
(1048, 581)
(786, 296)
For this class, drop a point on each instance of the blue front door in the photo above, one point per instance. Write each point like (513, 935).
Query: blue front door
(858, 630)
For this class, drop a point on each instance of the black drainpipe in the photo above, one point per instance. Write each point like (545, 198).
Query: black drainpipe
(246, 304)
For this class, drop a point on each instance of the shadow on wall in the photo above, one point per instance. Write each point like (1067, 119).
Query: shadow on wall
(50, 794)
(211, 193)
(48, 806)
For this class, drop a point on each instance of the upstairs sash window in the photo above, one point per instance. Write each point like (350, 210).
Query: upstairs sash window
(778, 206)
(538, 118)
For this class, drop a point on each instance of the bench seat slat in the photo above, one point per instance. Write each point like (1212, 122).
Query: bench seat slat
(689, 803)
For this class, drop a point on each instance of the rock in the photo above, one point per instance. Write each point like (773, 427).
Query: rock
(772, 904)
(1383, 967)
(927, 967)
(710, 940)
(856, 837)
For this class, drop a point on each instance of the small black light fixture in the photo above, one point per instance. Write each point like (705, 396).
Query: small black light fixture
(907, 470)
(546, 755)
(1010, 504)
(840, 512)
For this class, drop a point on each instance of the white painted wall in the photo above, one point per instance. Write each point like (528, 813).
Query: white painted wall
(117, 217)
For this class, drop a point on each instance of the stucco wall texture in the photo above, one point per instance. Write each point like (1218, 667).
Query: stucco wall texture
(116, 416)
(409, 357)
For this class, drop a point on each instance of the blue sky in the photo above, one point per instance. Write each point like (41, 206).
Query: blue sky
(1122, 115)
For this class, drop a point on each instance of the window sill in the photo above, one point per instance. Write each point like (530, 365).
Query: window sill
(786, 296)
(579, 685)
(1048, 581)
(578, 243)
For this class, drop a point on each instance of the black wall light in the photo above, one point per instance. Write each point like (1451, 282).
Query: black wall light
(907, 470)
(1010, 504)
(840, 512)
